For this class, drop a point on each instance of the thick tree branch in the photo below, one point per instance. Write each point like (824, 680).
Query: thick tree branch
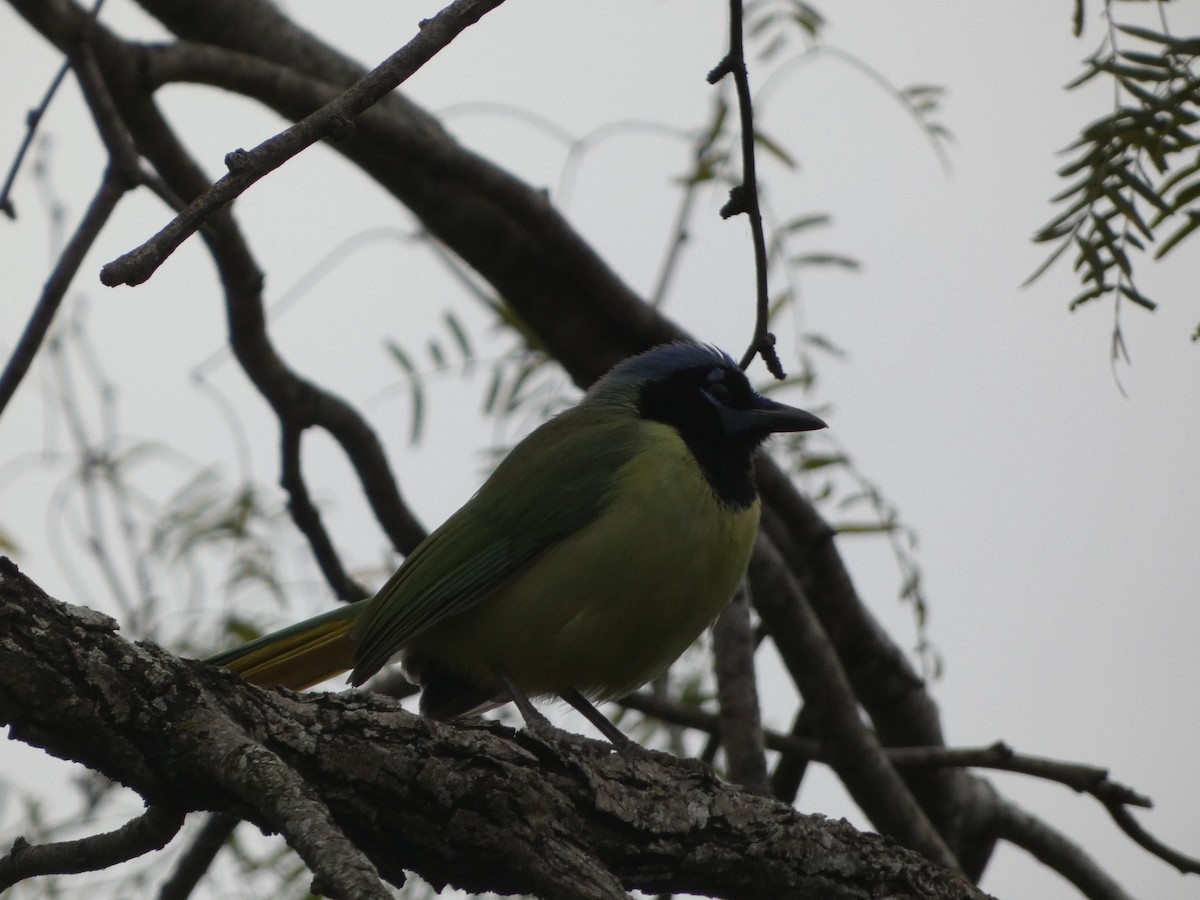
(248, 770)
(198, 857)
(737, 694)
(813, 664)
(883, 679)
(521, 811)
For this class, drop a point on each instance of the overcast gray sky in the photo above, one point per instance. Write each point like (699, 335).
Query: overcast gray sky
(1058, 517)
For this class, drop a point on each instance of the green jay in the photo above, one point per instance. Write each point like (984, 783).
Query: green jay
(593, 556)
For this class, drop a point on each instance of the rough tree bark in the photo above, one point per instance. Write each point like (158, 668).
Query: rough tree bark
(471, 805)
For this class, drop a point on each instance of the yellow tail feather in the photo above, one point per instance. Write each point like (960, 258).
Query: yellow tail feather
(299, 656)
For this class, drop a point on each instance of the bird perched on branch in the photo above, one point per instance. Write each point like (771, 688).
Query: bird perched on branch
(594, 555)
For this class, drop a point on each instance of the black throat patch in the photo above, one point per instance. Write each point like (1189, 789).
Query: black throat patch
(682, 400)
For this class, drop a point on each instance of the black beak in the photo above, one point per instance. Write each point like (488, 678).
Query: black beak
(769, 417)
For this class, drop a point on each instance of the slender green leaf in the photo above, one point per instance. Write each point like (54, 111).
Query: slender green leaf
(1129, 177)
(1087, 75)
(1112, 244)
(401, 357)
(1049, 261)
(769, 144)
(1128, 290)
(434, 348)
(1185, 195)
(820, 342)
(1090, 294)
(801, 223)
(1146, 34)
(1154, 60)
(1149, 98)
(1070, 216)
(865, 527)
(1089, 258)
(1129, 211)
(811, 463)
(825, 259)
(1169, 244)
(1132, 73)
(459, 334)
(416, 391)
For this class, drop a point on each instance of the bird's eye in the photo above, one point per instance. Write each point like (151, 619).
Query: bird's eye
(719, 392)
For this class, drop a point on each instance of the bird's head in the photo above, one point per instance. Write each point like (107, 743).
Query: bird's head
(699, 390)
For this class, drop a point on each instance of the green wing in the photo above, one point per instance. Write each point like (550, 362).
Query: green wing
(551, 485)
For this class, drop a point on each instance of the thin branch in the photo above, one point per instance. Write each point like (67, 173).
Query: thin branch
(934, 134)
(308, 518)
(334, 120)
(702, 152)
(1056, 851)
(1128, 824)
(32, 120)
(122, 153)
(744, 197)
(198, 857)
(150, 831)
(797, 749)
(881, 674)
(298, 403)
(112, 188)
(581, 311)
(999, 756)
(792, 767)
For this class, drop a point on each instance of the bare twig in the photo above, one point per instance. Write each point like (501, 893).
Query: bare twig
(298, 402)
(1128, 824)
(999, 756)
(797, 748)
(32, 120)
(308, 518)
(150, 831)
(111, 189)
(334, 120)
(744, 197)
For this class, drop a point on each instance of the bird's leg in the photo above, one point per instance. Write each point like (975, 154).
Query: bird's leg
(534, 720)
(585, 708)
(541, 726)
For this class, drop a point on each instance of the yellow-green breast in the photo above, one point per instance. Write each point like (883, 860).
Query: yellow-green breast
(609, 607)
